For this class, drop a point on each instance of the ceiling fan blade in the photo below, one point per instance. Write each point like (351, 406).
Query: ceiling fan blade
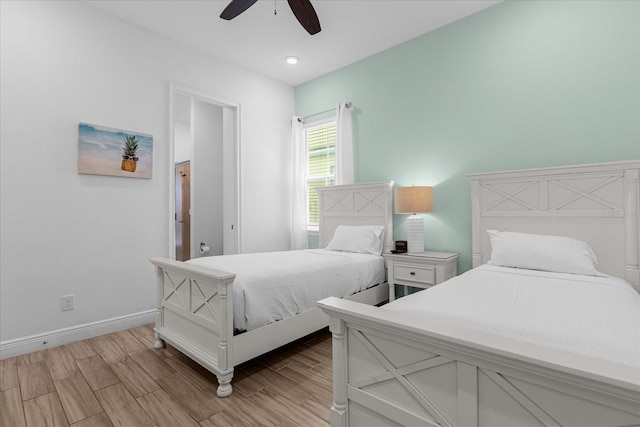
(306, 15)
(235, 8)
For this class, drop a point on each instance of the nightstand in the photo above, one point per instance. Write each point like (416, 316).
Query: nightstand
(419, 270)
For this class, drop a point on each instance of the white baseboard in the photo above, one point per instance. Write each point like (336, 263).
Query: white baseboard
(23, 345)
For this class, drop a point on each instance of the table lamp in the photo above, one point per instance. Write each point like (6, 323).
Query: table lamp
(414, 200)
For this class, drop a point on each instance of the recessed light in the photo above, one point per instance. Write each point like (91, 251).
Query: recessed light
(291, 60)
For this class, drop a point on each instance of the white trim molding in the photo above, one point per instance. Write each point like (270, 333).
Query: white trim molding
(28, 344)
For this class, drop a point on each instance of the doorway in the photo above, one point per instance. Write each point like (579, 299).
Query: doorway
(204, 189)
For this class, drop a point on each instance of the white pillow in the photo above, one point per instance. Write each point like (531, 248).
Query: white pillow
(541, 252)
(366, 239)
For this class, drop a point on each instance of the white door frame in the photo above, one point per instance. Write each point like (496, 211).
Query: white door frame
(178, 89)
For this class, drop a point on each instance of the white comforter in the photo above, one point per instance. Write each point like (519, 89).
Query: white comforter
(595, 316)
(276, 285)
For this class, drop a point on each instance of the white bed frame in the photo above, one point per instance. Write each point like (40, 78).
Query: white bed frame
(390, 370)
(195, 304)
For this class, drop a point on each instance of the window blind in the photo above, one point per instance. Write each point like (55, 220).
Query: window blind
(320, 142)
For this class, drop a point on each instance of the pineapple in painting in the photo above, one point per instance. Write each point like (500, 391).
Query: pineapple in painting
(129, 159)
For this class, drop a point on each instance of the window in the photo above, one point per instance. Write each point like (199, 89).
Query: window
(320, 143)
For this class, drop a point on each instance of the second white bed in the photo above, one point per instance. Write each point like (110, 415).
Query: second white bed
(276, 285)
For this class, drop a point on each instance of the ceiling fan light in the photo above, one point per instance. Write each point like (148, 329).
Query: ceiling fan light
(291, 60)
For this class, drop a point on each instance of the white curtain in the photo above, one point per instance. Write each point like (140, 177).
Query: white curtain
(298, 195)
(344, 145)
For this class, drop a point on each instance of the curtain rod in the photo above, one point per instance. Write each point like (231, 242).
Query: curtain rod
(302, 119)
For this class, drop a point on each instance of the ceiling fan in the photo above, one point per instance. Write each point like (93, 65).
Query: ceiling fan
(302, 9)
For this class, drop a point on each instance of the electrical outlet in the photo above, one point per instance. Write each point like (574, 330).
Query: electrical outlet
(67, 302)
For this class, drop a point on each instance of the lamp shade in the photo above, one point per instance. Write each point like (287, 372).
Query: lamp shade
(413, 200)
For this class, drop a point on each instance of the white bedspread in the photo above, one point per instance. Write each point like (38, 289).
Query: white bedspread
(595, 316)
(276, 285)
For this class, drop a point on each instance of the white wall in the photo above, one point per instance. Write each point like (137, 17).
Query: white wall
(91, 236)
(181, 128)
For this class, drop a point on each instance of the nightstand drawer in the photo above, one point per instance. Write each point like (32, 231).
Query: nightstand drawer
(413, 273)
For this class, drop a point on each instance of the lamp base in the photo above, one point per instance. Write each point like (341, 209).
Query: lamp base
(415, 234)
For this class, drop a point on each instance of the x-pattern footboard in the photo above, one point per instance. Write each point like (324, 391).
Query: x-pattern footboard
(389, 373)
(401, 375)
(191, 296)
(175, 289)
(195, 314)
(206, 307)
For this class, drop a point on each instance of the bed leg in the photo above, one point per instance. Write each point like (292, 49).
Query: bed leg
(160, 343)
(339, 345)
(224, 384)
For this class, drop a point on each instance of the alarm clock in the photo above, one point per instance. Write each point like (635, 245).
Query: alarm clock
(401, 247)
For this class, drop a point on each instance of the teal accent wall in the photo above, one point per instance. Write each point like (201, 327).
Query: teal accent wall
(519, 85)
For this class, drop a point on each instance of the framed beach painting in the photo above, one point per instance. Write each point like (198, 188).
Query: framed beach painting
(107, 151)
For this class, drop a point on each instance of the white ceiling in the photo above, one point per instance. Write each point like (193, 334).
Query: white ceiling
(259, 40)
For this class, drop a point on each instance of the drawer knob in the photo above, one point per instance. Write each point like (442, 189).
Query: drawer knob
(413, 273)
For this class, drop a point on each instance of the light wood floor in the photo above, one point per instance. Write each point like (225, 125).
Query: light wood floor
(119, 379)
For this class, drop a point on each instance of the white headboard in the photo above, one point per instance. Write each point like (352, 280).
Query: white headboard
(356, 204)
(596, 203)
